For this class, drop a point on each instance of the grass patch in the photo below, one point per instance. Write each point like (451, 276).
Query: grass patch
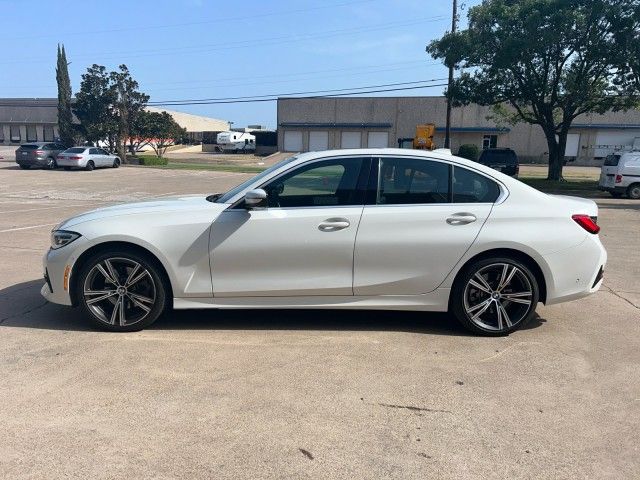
(205, 166)
(573, 186)
(152, 160)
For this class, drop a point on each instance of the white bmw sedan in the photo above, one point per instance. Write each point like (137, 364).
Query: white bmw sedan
(348, 229)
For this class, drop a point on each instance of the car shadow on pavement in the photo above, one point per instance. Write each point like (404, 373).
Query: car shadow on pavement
(22, 306)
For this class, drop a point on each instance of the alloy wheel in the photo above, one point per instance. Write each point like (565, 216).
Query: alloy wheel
(498, 297)
(119, 291)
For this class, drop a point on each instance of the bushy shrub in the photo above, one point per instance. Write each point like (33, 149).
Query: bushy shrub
(469, 151)
(152, 160)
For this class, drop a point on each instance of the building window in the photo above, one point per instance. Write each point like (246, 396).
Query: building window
(14, 133)
(350, 139)
(489, 141)
(48, 133)
(32, 134)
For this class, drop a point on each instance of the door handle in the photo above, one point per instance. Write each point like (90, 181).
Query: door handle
(462, 218)
(333, 224)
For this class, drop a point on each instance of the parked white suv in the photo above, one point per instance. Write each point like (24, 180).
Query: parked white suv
(620, 174)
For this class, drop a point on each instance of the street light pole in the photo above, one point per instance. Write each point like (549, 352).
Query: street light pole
(447, 131)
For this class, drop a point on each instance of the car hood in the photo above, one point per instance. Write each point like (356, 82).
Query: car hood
(160, 205)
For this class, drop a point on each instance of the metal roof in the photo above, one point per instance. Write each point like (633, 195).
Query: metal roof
(337, 125)
(606, 126)
(29, 110)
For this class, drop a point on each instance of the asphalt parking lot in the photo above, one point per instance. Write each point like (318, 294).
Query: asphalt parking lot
(302, 394)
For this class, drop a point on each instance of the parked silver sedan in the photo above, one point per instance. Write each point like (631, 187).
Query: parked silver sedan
(87, 158)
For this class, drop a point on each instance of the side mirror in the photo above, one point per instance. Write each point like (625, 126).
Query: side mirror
(255, 199)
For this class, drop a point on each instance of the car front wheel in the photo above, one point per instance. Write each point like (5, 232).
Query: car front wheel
(121, 291)
(495, 296)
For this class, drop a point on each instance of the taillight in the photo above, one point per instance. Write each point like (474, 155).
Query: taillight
(618, 178)
(76, 157)
(586, 222)
(39, 152)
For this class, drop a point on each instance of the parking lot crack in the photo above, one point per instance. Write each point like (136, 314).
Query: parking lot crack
(414, 409)
(617, 294)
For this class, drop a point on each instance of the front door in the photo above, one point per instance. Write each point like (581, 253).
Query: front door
(424, 217)
(302, 243)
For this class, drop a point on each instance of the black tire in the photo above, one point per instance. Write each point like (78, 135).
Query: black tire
(100, 313)
(67, 168)
(90, 166)
(24, 167)
(51, 163)
(616, 194)
(492, 322)
(116, 163)
(634, 191)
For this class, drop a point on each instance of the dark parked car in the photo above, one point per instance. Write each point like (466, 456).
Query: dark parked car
(503, 160)
(39, 154)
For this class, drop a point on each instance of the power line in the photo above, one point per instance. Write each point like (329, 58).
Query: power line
(276, 95)
(202, 22)
(239, 44)
(314, 96)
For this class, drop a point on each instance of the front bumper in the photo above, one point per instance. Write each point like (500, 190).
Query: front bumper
(54, 264)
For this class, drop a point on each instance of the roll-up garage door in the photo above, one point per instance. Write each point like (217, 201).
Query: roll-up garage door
(292, 141)
(378, 140)
(318, 141)
(350, 140)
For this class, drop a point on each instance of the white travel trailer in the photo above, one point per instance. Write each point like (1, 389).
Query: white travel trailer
(236, 141)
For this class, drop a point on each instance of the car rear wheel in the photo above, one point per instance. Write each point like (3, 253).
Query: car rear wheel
(495, 296)
(116, 163)
(121, 291)
(634, 191)
(90, 166)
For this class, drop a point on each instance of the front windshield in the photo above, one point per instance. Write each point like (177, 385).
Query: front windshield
(226, 197)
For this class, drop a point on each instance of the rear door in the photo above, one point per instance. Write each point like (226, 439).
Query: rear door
(422, 218)
(609, 170)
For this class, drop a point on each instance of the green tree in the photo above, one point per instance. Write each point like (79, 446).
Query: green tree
(163, 132)
(94, 106)
(65, 118)
(107, 104)
(543, 62)
(129, 102)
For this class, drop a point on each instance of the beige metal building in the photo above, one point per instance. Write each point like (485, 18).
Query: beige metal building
(306, 124)
(36, 120)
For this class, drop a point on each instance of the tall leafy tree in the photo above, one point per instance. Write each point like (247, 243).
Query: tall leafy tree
(94, 106)
(163, 131)
(129, 102)
(107, 106)
(65, 118)
(543, 62)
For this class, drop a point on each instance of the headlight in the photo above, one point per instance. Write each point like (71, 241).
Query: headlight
(60, 238)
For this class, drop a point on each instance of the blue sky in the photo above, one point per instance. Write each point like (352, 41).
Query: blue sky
(192, 49)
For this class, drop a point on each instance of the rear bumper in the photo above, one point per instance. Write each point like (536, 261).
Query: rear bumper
(577, 272)
(617, 189)
(30, 161)
(66, 162)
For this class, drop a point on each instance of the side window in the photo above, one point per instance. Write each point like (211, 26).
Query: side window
(94, 151)
(319, 184)
(471, 187)
(408, 181)
(102, 152)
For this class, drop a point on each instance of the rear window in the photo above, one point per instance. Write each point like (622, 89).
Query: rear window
(507, 157)
(29, 146)
(75, 150)
(611, 160)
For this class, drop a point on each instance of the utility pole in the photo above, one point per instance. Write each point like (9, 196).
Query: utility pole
(447, 131)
